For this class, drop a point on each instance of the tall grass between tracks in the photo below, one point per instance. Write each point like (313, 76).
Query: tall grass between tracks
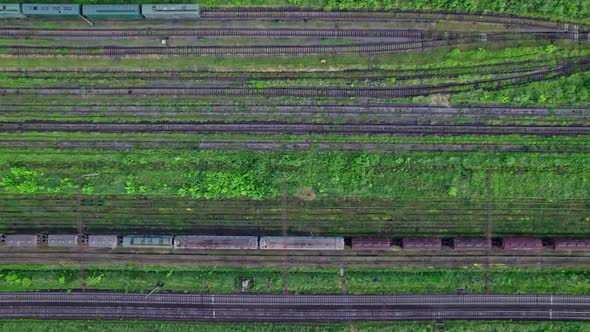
(148, 326)
(565, 10)
(258, 175)
(301, 281)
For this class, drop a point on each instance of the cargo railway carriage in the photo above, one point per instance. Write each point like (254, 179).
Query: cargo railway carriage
(216, 242)
(69, 241)
(171, 11)
(472, 244)
(572, 244)
(139, 241)
(10, 10)
(301, 243)
(422, 244)
(103, 241)
(526, 244)
(371, 244)
(111, 11)
(22, 240)
(51, 10)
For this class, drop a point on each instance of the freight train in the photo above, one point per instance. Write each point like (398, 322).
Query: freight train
(117, 12)
(205, 242)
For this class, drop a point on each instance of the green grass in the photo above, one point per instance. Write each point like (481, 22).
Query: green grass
(301, 281)
(257, 175)
(553, 9)
(149, 326)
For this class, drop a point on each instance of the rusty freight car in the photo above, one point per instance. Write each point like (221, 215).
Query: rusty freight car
(216, 242)
(526, 244)
(472, 244)
(301, 243)
(422, 244)
(572, 244)
(371, 244)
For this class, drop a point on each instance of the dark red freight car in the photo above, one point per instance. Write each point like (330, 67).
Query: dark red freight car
(472, 244)
(528, 244)
(371, 244)
(422, 244)
(572, 244)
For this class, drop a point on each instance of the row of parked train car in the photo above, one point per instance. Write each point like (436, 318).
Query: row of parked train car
(153, 11)
(287, 242)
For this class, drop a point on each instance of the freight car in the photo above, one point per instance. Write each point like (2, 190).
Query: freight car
(50, 10)
(301, 243)
(148, 241)
(422, 244)
(472, 244)
(22, 240)
(370, 244)
(524, 244)
(68, 241)
(171, 11)
(572, 244)
(111, 11)
(103, 241)
(152, 11)
(11, 10)
(216, 242)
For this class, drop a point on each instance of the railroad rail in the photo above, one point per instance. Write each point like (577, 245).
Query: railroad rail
(290, 128)
(253, 145)
(275, 259)
(290, 308)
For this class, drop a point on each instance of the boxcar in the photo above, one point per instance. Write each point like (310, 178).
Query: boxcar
(172, 11)
(65, 240)
(111, 11)
(22, 240)
(472, 244)
(216, 242)
(422, 244)
(50, 10)
(10, 10)
(102, 241)
(522, 244)
(572, 244)
(148, 241)
(301, 243)
(371, 244)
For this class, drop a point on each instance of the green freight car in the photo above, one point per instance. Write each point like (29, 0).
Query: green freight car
(111, 11)
(50, 10)
(178, 11)
(10, 10)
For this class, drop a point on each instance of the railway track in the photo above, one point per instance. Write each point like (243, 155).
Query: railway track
(274, 32)
(250, 145)
(360, 74)
(340, 110)
(290, 308)
(290, 128)
(275, 259)
(321, 49)
(335, 92)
